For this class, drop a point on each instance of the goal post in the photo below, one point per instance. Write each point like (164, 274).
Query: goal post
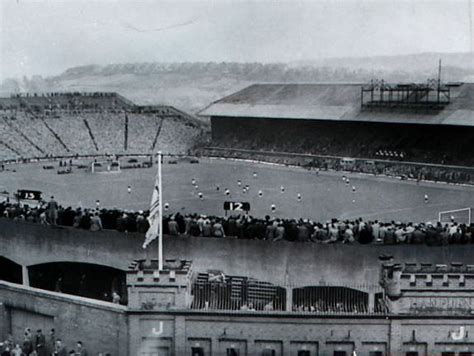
(105, 167)
(461, 216)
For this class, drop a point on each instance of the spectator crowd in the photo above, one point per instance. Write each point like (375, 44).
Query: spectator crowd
(246, 227)
(394, 168)
(38, 344)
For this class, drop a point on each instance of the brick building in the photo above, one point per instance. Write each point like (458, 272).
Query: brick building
(417, 310)
(424, 309)
(292, 300)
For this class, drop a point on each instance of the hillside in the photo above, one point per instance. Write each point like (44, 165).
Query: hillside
(192, 86)
(423, 62)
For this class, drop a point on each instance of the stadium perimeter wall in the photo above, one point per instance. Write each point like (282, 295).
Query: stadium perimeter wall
(283, 263)
(103, 327)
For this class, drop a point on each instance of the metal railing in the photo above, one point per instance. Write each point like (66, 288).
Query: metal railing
(241, 294)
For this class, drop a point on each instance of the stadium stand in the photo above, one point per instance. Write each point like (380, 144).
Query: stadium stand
(108, 130)
(52, 102)
(69, 124)
(80, 142)
(16, 141)
(6, 152)
(399, 122)
(176, 138)
(142, 131)
(38, 133)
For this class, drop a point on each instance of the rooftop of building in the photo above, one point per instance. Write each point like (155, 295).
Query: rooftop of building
(341, 102)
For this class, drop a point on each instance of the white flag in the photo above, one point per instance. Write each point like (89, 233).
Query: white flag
(154, 216)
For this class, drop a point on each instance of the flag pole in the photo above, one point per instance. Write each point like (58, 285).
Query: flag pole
(160, 209)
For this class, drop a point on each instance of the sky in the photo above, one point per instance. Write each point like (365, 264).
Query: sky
(45, 37)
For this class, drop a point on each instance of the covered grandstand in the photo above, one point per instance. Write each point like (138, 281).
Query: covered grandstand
(429, 123)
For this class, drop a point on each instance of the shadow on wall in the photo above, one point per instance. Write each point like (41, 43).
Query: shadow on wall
(10, 271)
(81, 279)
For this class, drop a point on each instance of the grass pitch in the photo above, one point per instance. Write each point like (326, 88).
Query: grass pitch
(322, 196)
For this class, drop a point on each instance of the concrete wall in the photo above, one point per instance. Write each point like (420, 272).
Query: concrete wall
(103, 327)
(280, 263)
(29, 244)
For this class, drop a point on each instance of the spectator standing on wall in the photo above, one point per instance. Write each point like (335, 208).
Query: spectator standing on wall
(194, 230)
(418, 236)
(348, 235)
(270, 229)
(67, 217)
(43, 218)
(200, 222)
(400, 236)
(188, 220)
(389, 236)
(431, 235)
(76, 222)
(279, 232)
(365, 233)
(85, 222)
(291, 229)
(122, 223)
(96, 222)
(218, 229)
(333, 232)
(376, 230)
(142, 223)
(206, 228)
(52, 211)
(173, 227)
(303, 231)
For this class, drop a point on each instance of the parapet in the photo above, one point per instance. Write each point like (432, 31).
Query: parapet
(452, 277)
(151, 289)
(143, 272)
(425, 288)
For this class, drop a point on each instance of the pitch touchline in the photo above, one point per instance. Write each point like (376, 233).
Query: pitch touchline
(388, 211)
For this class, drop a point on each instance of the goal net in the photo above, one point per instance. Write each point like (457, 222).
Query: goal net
(105, 166)
(461, 216)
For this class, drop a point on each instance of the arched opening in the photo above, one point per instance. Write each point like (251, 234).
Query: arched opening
(10, 271)
(327, 299)
(82, 279)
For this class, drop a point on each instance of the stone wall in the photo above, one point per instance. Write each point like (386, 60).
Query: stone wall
(101, 326)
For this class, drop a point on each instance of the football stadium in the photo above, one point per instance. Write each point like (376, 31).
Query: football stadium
(296, 219)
